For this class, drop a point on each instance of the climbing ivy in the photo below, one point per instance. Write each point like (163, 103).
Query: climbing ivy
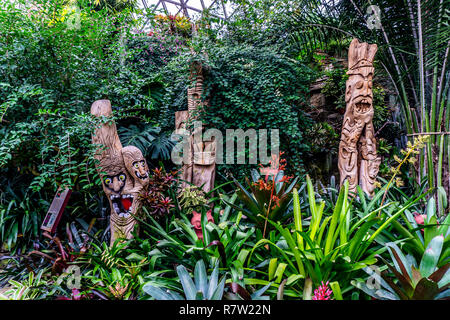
(258, 88)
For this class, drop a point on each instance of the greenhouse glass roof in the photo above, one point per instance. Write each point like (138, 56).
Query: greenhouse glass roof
(192, 9)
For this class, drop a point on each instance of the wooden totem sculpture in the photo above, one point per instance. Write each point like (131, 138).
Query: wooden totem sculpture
(199, 166)
(123, 171)
(358, 161)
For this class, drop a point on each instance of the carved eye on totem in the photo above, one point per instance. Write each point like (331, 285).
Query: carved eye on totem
(359, 84)
(115, 183)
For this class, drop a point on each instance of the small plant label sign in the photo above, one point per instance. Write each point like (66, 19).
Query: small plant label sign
(56, 209)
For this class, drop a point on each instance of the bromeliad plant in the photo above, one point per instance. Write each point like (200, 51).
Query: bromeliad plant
(31, 288)
(412, 281)
(268, 197)
(229, 242)
(155, 198)
(204, 287)
(114, 272)
(201, 288)
(420, 229)
(177, 241)
(331, 248)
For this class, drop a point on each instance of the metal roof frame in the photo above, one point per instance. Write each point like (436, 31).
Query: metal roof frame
(186, 9)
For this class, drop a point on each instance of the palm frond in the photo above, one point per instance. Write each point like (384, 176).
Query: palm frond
(414, 46)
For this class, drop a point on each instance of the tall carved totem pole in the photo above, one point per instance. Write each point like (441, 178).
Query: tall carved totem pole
(123, 171)
(199, 167)
(358, 161)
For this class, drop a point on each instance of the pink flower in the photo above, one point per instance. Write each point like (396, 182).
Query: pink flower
(76, 295)
(322, 292)
(420, 218)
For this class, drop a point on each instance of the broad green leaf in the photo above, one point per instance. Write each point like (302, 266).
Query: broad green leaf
(279, 272)
(188, 285)
(135, 257)
(272, 268)
(201, 278)
(218, 293)
(297, 217)
(336, 290)
(431, 209)
(293, 278)
(431, 256)
(156, 293)
(213, 280)
(330, 238)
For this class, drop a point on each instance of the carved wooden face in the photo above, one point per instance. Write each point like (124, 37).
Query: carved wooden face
(118, 187)
(115, 183)
(374, 167)
(359, 92)
(124, 173)
(136, 165)
(358, 162)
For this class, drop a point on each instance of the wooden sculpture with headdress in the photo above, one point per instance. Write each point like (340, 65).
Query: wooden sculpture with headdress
(358, 161)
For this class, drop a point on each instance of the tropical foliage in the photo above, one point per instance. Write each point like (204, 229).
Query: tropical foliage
(280, 230)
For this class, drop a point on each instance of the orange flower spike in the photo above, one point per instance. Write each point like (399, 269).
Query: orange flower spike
(260, 184)
(276, 201)
(286, 178)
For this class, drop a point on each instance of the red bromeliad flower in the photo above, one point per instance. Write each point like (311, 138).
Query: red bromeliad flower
(276, 165)
(420, 218)
(154, 197)
(263, 185)
(276, 202)
(269, 195)
(322, 292)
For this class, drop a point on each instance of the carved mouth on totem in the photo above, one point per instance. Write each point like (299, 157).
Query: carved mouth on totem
(122, 204)
(145, 176)
(363, 106)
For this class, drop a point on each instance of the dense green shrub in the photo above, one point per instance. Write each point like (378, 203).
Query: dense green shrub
(254, 88)
(246, 88)
(54, 62)
(50, 73)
